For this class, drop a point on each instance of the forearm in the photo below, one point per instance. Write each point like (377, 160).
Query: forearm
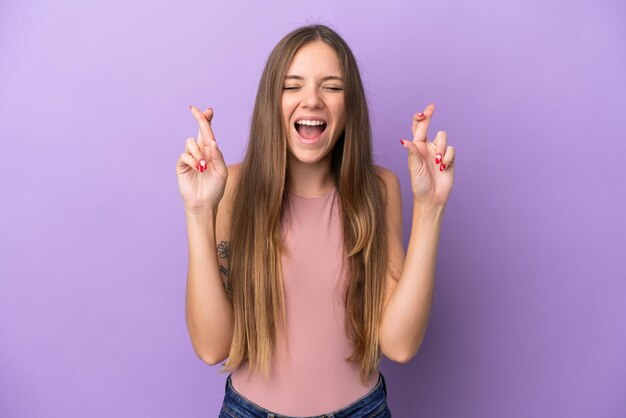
(209, 311)
(406, 316)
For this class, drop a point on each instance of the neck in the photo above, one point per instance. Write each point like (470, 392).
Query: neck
(310, 180)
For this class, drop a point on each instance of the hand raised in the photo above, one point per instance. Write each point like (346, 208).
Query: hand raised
(201, 169)
(430, 163)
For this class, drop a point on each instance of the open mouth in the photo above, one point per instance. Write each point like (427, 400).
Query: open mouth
(310, 130)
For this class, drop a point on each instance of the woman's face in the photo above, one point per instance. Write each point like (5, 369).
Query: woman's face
(313, 92)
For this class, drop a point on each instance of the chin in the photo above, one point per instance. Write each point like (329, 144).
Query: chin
(306, 159)
(307, 156)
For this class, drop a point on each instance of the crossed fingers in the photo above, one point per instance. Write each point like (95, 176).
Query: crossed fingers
(205, 133)
(443, 154)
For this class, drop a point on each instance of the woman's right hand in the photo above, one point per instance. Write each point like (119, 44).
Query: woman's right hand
(201, 170)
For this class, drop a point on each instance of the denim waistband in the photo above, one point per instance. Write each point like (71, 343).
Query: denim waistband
(375, 400)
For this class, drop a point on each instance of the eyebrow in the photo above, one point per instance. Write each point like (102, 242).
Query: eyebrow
(328, 77)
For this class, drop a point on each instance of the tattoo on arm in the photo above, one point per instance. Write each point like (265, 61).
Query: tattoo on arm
(223, 251)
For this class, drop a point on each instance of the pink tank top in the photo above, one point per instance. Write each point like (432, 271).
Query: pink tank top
(309, 374)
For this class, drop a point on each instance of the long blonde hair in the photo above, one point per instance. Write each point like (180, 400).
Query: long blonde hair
(260, 200)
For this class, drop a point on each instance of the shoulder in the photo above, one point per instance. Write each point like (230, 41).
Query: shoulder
(225, 206)
(390, 181)
(393, 199)
(382, 171)
(234, 171)
(234, 168)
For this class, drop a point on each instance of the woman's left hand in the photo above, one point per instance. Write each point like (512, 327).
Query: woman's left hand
(431, 164)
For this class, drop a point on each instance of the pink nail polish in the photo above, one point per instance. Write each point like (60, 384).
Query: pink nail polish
(420, 115)
(442, 167)
(438, 159)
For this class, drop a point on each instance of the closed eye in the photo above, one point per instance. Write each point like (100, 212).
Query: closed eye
(329, 88)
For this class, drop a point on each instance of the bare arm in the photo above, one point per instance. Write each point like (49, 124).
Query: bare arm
(406, 315)
(410, 280)
(209, 309)
(408, 303)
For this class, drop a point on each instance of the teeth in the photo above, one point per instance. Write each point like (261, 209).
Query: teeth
(310, 122)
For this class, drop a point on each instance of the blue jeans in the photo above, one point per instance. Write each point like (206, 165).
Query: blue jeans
(371, 405)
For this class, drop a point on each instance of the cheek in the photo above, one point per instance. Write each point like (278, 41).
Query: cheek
(287, 110)
(339, 111)
(341, 119)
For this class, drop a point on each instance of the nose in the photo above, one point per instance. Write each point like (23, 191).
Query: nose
(312, 99)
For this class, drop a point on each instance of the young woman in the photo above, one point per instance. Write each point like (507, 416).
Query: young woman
(297, 272)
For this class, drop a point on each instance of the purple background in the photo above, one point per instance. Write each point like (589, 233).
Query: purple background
(529, 312)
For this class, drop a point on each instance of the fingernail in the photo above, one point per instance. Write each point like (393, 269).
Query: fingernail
(438, 159)
(198, 167)
(420, 115)
(403, 144)
(203, 163)
(442, 167)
